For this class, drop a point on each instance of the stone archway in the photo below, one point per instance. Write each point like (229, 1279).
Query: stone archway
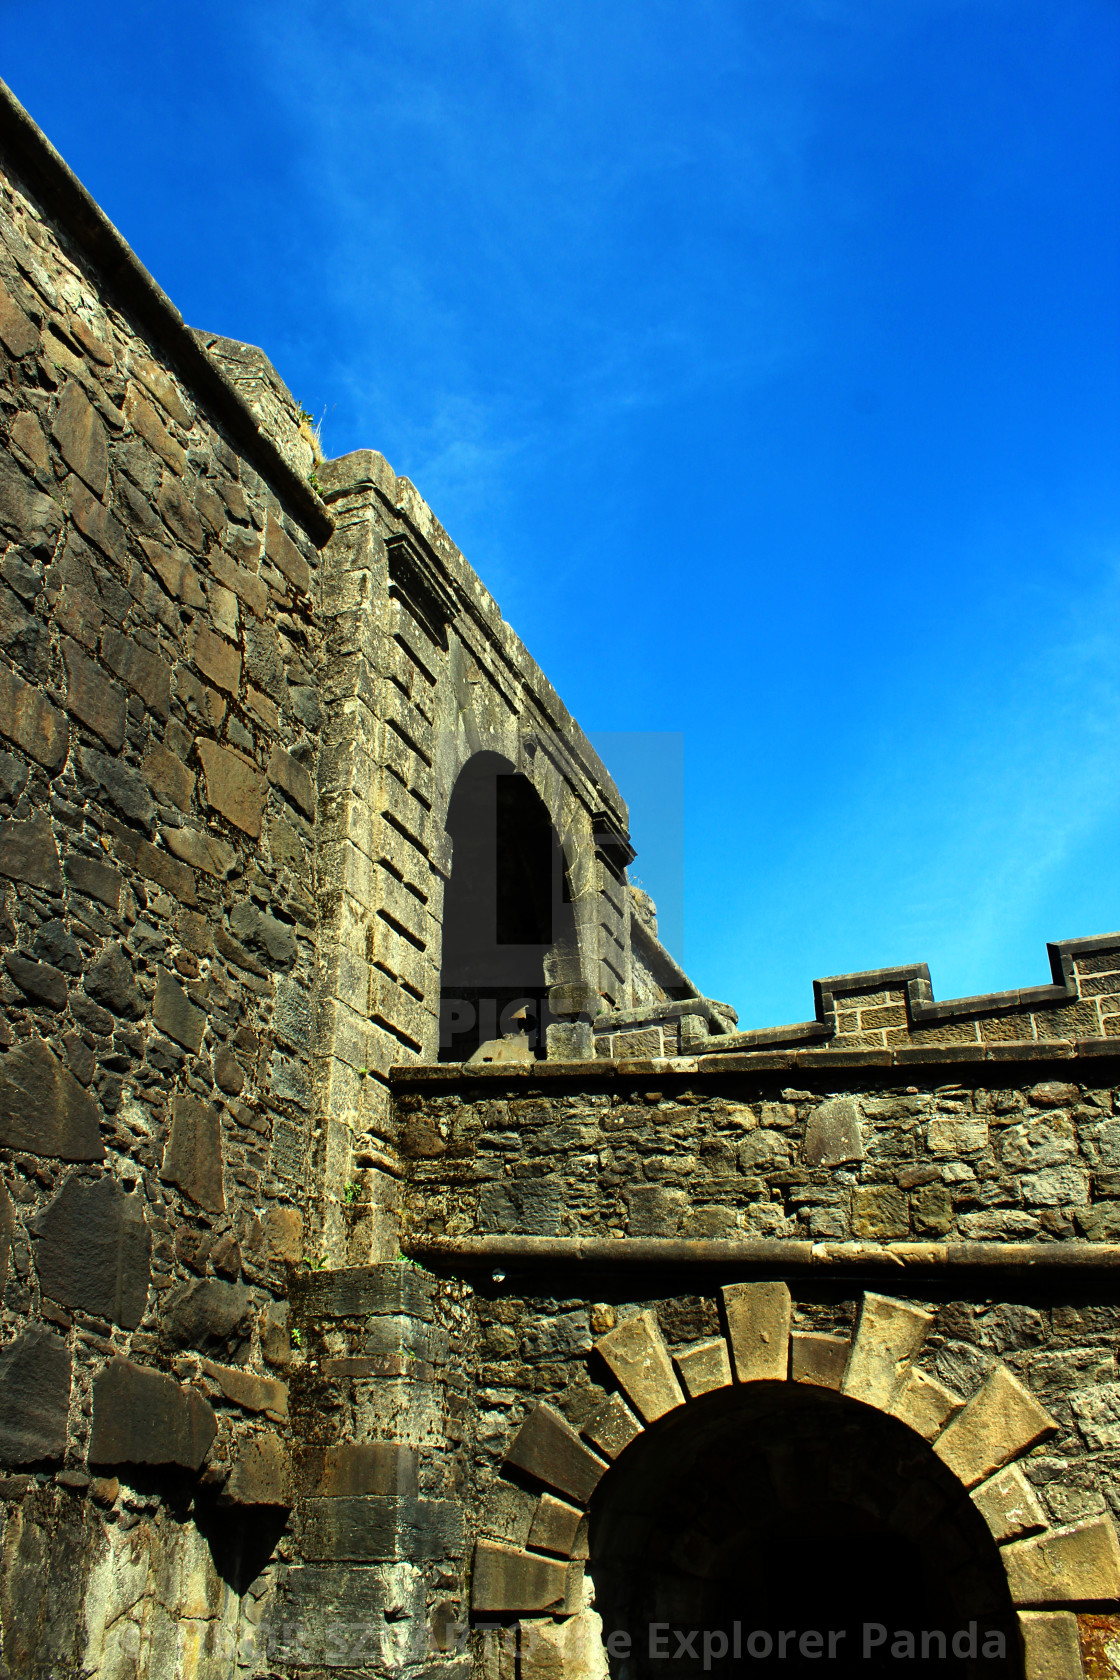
(969, 1449)
(509, 930)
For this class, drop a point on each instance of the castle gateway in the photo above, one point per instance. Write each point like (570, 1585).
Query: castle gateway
(406, 1269)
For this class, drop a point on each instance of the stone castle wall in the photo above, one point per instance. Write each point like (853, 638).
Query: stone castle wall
(242, 1432)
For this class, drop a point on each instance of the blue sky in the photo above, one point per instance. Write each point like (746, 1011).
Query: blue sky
(761, 356)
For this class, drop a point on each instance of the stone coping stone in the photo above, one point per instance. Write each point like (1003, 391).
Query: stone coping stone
(604, 1068)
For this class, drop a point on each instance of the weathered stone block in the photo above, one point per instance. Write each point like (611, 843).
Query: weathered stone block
(1009, 1505)
(505, 1581)
(18, 335)
(1097, 1410)
(233, 786)
(28, 719)
(547, 1447)
(924, 1404)
(832, 1136)
(1051, 1645)
(34, 1396)
(704, 1367)
(174, 1014)
(43, 1109)
(286, 557)
(359, 1467)
(635, 1351)
(110, 982)
(357, 1291)
(39, 981)
(554, 1527)
(261, 1473)
(201, 851)
(1002, 1420)
(369, 1528)
(92, 879)
(758, 1320)
(25, 512)
(289, 775)
(94, 1250)
(81, 438)
(250, 1392)
(819, 1359)
(1074, 1565)
(887, 1338)
(121, 785)
(192, 1158)
(141, 1417)
(880, 1212)
(207, 1315)
(143, 670)
(218, 661)
(612, 1427)
(167, 776)
(91, 697)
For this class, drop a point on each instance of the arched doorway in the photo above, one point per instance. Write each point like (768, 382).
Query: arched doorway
(783, 1530)
(508, 921)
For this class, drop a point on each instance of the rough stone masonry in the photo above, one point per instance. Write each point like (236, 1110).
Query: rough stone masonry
(405, 1269)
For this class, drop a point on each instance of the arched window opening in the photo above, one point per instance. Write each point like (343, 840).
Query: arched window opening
(786, 1532)
(508, 922)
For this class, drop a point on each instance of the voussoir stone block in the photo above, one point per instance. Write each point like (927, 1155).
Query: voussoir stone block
(1051, 1645)
(547, 1447)
(43, 1109)
(818, 1358)
(142, 1417)
(635, 1351)
(1009, 1505)
(1079, 1564)
(704, 1367)
(1001, 1421)
(612, 1427)
(887, 1338)
(758, 1319)
(924, 1404)
(507, 1579)
(554, 1526)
